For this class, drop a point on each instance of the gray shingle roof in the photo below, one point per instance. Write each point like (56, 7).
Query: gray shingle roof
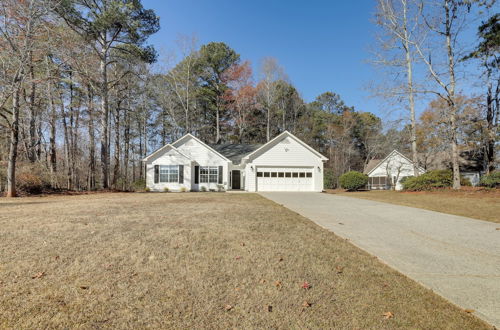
(371, 165)
(235, 152)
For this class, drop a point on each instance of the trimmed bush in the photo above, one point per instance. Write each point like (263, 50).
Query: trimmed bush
(329, 178)
(166, 189)
(491, 180)
(431, 180)
(353, 180)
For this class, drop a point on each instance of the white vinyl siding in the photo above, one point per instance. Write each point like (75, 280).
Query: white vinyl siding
(168, 157)
(394, 168)
(205, 157)
(287, 155)
(204, 168)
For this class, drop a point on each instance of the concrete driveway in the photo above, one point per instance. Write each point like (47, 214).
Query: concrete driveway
(457, 257)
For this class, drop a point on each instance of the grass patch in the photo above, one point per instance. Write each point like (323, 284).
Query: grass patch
(200, 260)
(468, 202)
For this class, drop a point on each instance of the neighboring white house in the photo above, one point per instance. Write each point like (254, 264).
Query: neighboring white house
(388, 172)
(283, 164)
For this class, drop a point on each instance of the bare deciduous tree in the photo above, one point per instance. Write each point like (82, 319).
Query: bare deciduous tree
(399, 20)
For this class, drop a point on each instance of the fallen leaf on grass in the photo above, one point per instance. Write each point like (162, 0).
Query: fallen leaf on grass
(228, 307)
(339, 269)
(280, 259)
(277, 284)
(38, 275)
(269, 308)
(306, 285)
(469, 311)
(262, 281)
(497, 228)
(238, 258)
(388, 315)
(340, 223)
(242, 244)
(306, 304)
(84, 287)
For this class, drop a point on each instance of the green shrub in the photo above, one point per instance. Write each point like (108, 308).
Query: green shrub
(139, 185)
(147, 189)
(404, 179)
(329, 179)
(491, 180)
(203, 189)
(432, 180)
(353, 180)
(183, 189)
(166, 189)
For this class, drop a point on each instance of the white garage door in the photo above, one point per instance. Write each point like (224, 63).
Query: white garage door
(285, 179)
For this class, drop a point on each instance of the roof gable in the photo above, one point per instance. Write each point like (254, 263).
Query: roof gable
(371, 165)
(166, 148)
(190, 136)
(265, 147)
(390, 155)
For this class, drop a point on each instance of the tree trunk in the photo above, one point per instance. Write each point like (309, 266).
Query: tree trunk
(14, 141)
(116, 169)
(268, 126)
(217, 126)
(491, 123)
(67, 155)
(32, 117)
(451, 102)
(126, 137)
(145, 150)
(92, 161)
(74, 147)
(104, 121)
(411, 101)
(53, 123)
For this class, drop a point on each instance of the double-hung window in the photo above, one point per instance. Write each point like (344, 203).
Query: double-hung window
(209, 174)
(169, 173)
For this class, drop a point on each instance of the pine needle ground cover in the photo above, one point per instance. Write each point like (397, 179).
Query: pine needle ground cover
(196, 260)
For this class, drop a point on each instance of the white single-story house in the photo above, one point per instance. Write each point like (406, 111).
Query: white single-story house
(388, 172)
(283, 164)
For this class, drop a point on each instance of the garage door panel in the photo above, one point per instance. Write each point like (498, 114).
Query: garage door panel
(285, 179)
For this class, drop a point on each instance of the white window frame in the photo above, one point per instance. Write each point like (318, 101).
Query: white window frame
(211, 174)
(168, 174)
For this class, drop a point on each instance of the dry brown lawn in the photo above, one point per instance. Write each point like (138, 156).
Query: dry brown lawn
(195, 260)
(473, 203)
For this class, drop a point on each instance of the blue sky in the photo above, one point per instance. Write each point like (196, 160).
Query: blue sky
(322, 45)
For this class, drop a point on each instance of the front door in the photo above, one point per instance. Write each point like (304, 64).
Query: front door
(235, 179)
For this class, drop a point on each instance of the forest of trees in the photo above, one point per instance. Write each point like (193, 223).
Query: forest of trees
(83, 97)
